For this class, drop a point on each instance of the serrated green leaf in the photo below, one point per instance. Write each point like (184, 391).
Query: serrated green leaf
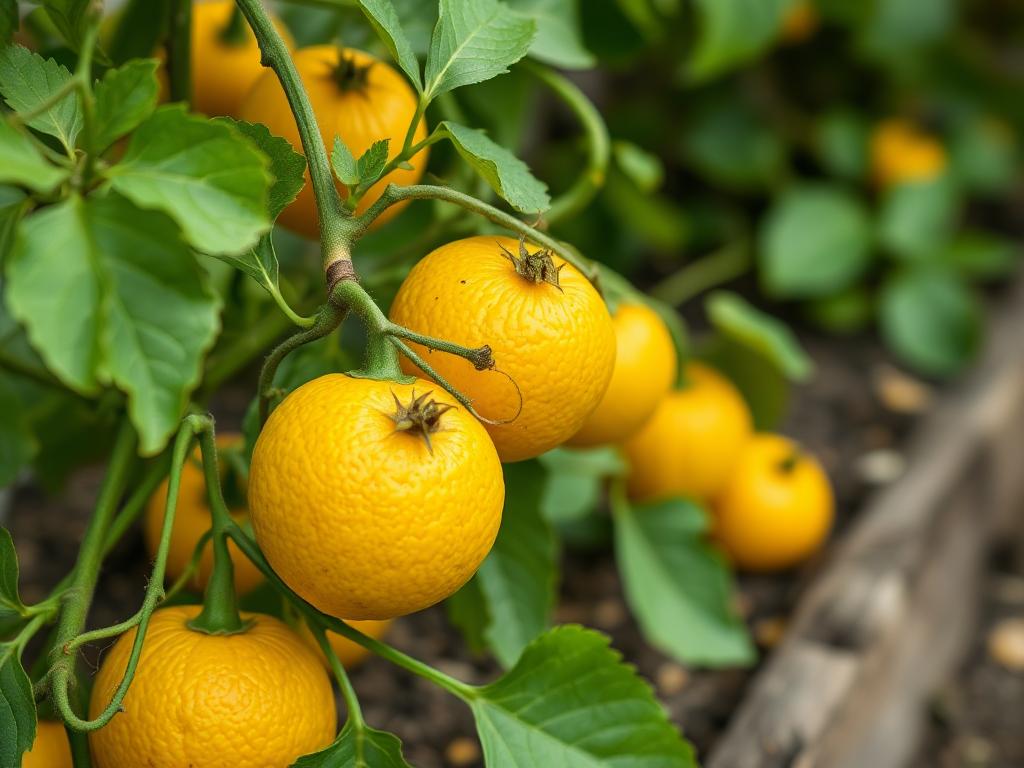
(17, 708)
(734, 317)
(21, 163)
(8, 19)
(17, 445)
(124, 98)
(504, 172)
(474, 40)
(917, 219)
(815, 241)
(733, 31)
(570, 701)
(141, 315)
(27, 80)
(384, 19)
(363, 172)
(678, 587)
(204, 174)
(364, 747)
(559, 39)
(287, 166)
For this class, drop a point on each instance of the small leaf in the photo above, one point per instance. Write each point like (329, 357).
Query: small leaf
(559, 39)
(733, 31)
(474, 40)
(363, 172)
(641, 167)
(9, 599)
(570, 701)
(678, 586)
(732, 316)
(287, 166)
(917, 219)
(18, 709)
(27, 80)
(841, 142)
(204, 174)
(508, 175)
(364, 747)
(17, 445)
(931, 319)
(815, 241)
(124, 98)
(384, 19)
(21, 163)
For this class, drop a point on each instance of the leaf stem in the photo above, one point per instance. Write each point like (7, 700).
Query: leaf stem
(355, 712)
(721, 266)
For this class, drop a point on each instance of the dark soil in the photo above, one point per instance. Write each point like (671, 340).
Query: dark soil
(842, 416)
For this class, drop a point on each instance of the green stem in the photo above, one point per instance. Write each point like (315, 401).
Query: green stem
(381, 358)
(136, 503)
(291, 314)
(83, 74)
(355, 712)
(220, 603)
(599, 147)
(179, 51)
(481, 357)
(723, 265)
(335, 223)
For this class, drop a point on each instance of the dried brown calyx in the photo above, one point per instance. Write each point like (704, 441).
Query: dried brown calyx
(422, 416)
(537, 267)
(350, 75)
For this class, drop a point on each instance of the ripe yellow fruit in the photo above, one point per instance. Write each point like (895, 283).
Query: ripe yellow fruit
(373, 499)
(255, 699)
(548, 328)
(690, 445)
(50, 749)
(354, 96)
(777, 507)
(191, 521)
(645, 368)
(350, 654)
(902, 153)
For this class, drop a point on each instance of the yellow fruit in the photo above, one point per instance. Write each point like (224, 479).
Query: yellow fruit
(354, 96)
(50, 749)
(251, 700)
(552, 340)
(350, 654)
(690, 444)
(902, 153)
(645, 368)
(776, 509)
(373, 499)
(191, 521)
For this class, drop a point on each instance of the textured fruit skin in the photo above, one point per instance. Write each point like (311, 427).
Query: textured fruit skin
(382, 109)
(350, 654)
(645, 368)
(690, 444)
(51, 748)
(251, 700)
(191, 521)
(361, 520)
(770, 517)
(901, 153)
(223, 72)
(558, 346)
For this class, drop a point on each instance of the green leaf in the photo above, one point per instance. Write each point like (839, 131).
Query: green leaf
(507, 174)
(9, 20)
(846, 312)
(70, 17)
(17, 445)
(474, 40)
(731, 145)
(841, 142)
(287, 166)
(13, 204)
(260, 263)
(27, 80)
(204, 174)
(384, 19)
(641, 167)
(759, 379)
(983, 154)
(917, 219)
(17, 708)
(570, 701)
(900, 27)
(138, 30)
(21, 163)
(124, 98)
(10, 601)
(931, 319)
(733, 31)
(576, 479)
(364, 171)
(815, 241)
(677, 585)
(733, 317)
(110, 294)
(982, 255)
(362, 747)
(559, 39)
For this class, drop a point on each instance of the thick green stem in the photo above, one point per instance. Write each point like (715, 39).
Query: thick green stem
(381, 358)
(599, 147)
(719, 267)
(335, 223)
(179, 50)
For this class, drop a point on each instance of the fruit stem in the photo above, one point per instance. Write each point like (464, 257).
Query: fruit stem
(599, 147)
(381, 358)
(355, 712)
(788, 464)
(179, 51)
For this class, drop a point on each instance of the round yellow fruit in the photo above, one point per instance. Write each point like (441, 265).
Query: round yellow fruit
(249, 700)
(902, 153)
(373, 499)
(777, 507)
(549, 331)
(50, 749)
(690, 445)
(191, 521)
(354, 96)
(645, 368)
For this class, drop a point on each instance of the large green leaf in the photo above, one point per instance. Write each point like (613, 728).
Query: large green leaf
(571, 702)
(732, 146)
(110, 294)
(204, 174)
(17, 708)
(287, 166)
(559, 40)
(23, 165)
(815, 241)
(362, 747)
(918, 219)
(384, 18)
(27, 80)
(124, 98)
(474, 40)
(733, 31)
(504, 172)
(678, 586)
